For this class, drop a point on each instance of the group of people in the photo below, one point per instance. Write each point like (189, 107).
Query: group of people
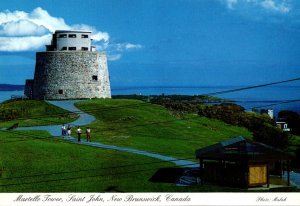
(66, 131)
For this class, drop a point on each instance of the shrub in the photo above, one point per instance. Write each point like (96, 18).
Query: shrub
(263, 127)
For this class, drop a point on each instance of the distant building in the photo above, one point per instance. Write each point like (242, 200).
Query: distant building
(269, 112)
(283, 125)
(71, 68)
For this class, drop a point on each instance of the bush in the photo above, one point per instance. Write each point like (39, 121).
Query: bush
(263, 127)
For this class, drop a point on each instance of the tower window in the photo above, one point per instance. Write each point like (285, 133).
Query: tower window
(64, 48)
(72, 35)
(72, 48)
(95, 77)
(84, 48)
(84, 36)
(60, 91)
(62, 36)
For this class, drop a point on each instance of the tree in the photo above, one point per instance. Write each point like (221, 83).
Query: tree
(263, 127)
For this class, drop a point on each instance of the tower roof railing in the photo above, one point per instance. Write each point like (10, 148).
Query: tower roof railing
(72, 31)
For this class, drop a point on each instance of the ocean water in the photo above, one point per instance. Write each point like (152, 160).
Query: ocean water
(264, 97)
(5, 95)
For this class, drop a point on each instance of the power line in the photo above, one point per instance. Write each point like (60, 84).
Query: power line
(121, 175)
(250, 87)
(140, 104)
(278, 103)
(116, 129)
(50, 138)
(82, 112)
(146, 104)
(96, 169)
(81, 177)
(155, 162)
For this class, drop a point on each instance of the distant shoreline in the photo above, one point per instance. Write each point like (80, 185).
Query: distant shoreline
(11, 87)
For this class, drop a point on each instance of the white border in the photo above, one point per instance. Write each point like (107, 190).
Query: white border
(157, 199)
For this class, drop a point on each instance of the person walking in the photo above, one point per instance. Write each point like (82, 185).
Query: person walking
(78, 133)
(88, 134)
(69, 130)
(63, 131)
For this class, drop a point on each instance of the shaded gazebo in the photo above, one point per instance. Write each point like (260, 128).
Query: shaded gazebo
(242, 162)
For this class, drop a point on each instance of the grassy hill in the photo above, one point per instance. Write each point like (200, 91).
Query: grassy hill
(32, 113)
(28, 164)
(30, 161)
(153, 128)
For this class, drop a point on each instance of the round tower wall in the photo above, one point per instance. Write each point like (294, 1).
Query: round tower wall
(71, 75)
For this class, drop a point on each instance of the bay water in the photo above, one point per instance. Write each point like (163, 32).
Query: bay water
(263, 97)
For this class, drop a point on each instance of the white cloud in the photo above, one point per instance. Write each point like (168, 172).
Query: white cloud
(13, 44)
(115, 50)
(278, 6)
(42, 18)
(133, 46)
(231, 3)
(114, 57)
(281, 7)
(22, 28)
(120, 47)
(99, 36)
(96, 35)
(22, 31)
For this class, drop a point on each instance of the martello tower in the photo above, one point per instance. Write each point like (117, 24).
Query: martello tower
(70, 68)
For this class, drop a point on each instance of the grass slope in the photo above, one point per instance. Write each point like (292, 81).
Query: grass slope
(28, 164)
(30, 161)
(137, 127)
(32, 113)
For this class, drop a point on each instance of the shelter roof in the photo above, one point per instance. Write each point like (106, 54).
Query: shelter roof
(240, 148)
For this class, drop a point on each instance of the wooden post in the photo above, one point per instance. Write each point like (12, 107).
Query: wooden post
(221, 171)
(281, 169)
(268, 178)
(201, 172)
(288, 172)
(246, 175)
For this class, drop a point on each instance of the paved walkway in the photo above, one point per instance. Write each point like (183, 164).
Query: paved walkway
(55, 130)
(294, 178)
(84, 119)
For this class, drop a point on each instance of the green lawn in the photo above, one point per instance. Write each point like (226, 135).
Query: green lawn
(33, 113)
(31, 161)
(31, 164)
(153, 128)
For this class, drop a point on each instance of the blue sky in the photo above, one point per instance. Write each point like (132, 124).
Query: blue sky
(162, 42)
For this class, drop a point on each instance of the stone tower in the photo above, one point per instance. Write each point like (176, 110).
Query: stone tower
(71, 68)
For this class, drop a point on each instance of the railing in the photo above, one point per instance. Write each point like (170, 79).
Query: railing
(18, 97)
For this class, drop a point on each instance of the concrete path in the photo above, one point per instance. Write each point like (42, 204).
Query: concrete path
(294, 178)
(55, 130)
(84, 119)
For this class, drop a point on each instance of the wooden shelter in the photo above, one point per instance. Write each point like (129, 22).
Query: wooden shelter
(241, 162)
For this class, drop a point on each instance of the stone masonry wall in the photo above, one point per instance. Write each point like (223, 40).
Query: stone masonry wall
(71, 75)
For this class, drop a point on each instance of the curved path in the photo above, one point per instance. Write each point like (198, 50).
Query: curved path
(84, 119)
(55, 130)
